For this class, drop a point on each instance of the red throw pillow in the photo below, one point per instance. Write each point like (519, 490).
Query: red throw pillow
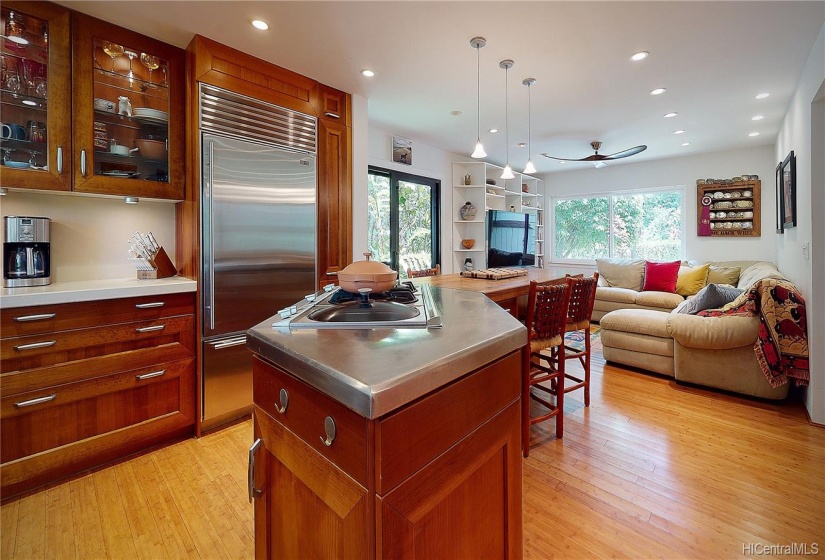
(661, 277)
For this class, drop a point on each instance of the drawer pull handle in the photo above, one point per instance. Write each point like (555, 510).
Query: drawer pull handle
(41, 317)
(332, 115)
(35, 345)
(283, 396)
(329, 428)
(150, 305)
(151, 329)
(38, 400)
(332, 274)
(250, 475)
(150, 375)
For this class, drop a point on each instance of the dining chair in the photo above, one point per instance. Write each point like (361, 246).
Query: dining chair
(434, 271)
(546, 320)
(579, 310)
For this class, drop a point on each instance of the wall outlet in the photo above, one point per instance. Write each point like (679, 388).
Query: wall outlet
(806, 250)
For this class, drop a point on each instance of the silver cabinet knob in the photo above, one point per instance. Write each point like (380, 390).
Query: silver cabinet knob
(283, 397)
(329, 429)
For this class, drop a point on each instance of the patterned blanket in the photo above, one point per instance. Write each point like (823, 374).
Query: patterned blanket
(782, 345)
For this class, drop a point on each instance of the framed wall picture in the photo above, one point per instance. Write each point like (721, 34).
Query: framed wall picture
(401, 150)
(789, 191)
(780, 218)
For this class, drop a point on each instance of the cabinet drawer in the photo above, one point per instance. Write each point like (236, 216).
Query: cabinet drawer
(65, 316)
(41, 420)
(412, 437)
(305, 415)
(26, 352)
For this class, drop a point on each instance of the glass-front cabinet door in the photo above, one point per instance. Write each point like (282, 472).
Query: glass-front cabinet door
(128, 111)
(34, 95)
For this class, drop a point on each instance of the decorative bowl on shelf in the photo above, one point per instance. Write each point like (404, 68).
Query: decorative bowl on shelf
(468, 243)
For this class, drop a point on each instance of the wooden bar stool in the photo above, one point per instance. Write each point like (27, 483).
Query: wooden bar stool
(580, 308)
(546, 320)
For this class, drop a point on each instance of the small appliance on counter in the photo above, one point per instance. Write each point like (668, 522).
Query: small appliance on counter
(149, 258)
(26, 252)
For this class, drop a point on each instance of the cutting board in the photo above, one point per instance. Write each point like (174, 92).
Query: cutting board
(495, 273)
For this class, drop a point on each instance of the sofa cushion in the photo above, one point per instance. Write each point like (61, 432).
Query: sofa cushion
(622, 273)
(717, 333)
(712, 296)
(756, 272)
(692, 279)
(724, 275)
(619, 295)
(665, 300)
(639, 321)
(661, 276)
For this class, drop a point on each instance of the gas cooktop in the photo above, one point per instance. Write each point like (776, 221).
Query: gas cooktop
(404, 306)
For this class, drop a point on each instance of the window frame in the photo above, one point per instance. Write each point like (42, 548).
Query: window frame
(435, 209)
(610, 242)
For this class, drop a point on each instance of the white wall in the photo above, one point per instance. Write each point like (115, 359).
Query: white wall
(684, 171)
(427, 162)
(89, 234)
(802, 132)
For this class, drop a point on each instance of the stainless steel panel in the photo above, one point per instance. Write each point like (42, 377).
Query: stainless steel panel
(258, 232)
(232, 114)
(227, 379)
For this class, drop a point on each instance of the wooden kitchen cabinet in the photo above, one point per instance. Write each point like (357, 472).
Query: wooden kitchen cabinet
(126, 87)
(86, 383)
(439, 477)
(34, 95)
(334, 200)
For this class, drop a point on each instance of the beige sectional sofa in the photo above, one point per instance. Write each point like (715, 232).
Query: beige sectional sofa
(642, 329)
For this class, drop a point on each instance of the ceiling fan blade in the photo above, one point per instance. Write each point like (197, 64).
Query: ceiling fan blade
(625, 153)
(595, 157)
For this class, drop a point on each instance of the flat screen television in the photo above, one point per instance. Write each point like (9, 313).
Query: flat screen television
(511, 239)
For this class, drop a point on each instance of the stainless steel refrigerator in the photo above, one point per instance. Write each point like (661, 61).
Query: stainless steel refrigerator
(258, 223)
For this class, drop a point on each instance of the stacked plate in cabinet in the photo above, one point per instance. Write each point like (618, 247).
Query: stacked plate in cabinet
(150, 116)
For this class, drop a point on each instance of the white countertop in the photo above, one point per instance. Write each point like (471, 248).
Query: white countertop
(91, 290)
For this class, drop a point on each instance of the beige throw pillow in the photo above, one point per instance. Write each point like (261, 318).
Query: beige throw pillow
(622, 273)
(723, 275)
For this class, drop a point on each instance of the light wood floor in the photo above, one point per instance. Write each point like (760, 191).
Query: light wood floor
(651, 470)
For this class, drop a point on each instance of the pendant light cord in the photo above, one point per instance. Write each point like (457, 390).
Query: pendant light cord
(507, 113)
(529, 129)
(478, 93)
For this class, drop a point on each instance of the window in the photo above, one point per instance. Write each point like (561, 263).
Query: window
(403, 219)
(638, 225)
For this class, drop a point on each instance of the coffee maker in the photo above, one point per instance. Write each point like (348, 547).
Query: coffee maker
(26, 259)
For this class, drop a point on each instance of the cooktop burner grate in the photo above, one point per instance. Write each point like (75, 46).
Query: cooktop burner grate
(404, 293)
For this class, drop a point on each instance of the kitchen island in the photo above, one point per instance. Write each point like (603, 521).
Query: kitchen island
(375, 443)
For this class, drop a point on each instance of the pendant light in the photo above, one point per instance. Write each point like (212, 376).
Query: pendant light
(477, 43)
(508, 171)
(529, 168)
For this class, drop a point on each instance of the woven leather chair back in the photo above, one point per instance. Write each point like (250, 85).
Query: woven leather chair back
(547, 311)
(582, 298)
(435, 271)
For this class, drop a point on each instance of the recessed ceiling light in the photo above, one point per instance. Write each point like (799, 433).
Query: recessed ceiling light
(680, 131)
(757, 117)
(753, 134)
(493, 130)
(762, 95)
(455, 113)
(670, 115)
(562, 162)
(522, 144)
(658, 91)
(260, 24)
(367, 72)
(639, 56)
(685, 143)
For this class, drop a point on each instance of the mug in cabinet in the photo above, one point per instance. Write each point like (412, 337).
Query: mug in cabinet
(14, 132)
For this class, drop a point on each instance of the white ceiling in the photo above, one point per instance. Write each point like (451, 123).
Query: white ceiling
(712, 57)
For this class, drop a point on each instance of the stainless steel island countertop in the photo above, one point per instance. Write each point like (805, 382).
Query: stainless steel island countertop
(375, 371)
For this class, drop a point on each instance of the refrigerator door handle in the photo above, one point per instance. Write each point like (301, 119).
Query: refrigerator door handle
(228, 343)
(209, 191)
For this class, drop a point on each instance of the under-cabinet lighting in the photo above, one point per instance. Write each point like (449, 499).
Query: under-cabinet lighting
(131, 200)
(260, 24)
(30, 103)
(4, 191)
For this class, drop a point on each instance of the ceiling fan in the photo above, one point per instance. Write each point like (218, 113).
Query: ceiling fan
(597, 157)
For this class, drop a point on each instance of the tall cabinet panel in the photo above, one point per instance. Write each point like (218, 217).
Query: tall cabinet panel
(334, 200)
(35, 78)
(128, 101)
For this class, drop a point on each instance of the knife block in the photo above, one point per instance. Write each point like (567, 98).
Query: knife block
(163, 267)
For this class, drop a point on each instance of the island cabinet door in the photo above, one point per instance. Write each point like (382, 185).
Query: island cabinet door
(305, 506)
(426, 516)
